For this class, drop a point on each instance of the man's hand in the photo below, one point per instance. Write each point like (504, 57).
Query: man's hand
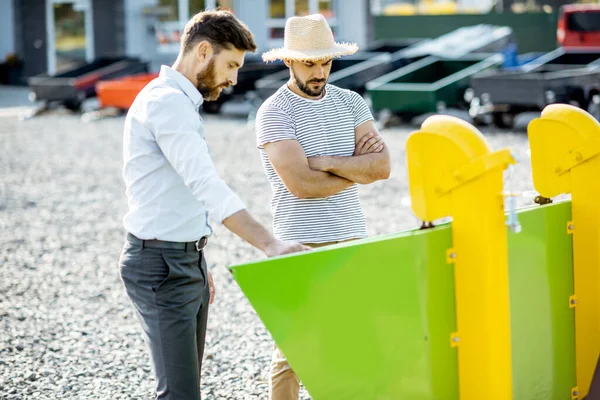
(369, 143)
(211, 288)
(279, 248)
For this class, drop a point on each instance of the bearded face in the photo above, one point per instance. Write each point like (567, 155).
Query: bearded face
(312, 87)
(208, 83)
(310, 76)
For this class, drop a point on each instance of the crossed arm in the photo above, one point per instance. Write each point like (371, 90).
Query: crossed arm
(324, 176)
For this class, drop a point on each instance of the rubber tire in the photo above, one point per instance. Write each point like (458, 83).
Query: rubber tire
(72, 105)
(503, 120)
(594, 110)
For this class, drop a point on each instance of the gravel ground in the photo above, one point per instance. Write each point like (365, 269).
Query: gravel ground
(67, 330)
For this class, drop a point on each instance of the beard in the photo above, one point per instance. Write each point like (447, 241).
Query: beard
(207, 85)
(305, 88)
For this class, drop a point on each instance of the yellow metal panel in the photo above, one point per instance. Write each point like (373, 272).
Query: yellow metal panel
(586, 264)
(481, 289)
(565, 147)
(549, 142)
(452, 171)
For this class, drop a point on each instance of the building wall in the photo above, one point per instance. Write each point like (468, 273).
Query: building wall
(533, 31)
(7, 28)
(109, 27)
(353, 21)
(30, 35)
(139, 39)
(254, 14)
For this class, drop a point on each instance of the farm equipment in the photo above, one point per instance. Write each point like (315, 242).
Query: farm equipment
(562, 58)
(503, 95)
(428, 84)
(561, 76)
(494, 305)
(73, 86)
(120, 93)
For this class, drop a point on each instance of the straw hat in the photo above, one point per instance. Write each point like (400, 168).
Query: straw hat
(309, 38)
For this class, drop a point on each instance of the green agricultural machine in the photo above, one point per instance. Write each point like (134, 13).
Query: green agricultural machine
(493, 305)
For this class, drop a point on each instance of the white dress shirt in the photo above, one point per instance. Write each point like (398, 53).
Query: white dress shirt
(171, 183)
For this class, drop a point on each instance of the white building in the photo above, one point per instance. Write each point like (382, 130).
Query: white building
(47, 35)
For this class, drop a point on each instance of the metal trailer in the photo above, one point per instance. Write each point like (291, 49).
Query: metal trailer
(564, 59)
(428, 85)
(73, 86)
(501, 95)
(460, 42)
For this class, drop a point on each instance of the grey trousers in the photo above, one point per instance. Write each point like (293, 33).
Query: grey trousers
(169, 291)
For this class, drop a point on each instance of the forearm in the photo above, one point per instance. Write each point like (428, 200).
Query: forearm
(363, 169)
(320, 184)
(246, 227)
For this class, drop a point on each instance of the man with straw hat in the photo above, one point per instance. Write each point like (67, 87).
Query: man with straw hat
(317, 142)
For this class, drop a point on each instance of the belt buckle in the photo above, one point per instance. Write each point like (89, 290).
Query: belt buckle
(201, 243)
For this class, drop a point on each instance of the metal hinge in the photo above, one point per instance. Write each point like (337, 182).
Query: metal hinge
(572, 301)
(570, 227)
(454, 339)
(450, 256)
(575, 393)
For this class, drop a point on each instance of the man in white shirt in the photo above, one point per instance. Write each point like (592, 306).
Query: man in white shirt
(317, 142)
(172, 188)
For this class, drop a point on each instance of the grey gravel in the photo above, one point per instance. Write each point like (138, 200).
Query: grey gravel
(67, 330)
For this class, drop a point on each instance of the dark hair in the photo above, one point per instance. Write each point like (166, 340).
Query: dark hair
(221, 28)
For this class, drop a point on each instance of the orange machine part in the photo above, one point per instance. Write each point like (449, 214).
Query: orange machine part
(121, 93)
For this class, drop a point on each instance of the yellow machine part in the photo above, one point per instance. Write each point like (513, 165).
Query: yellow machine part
(565, 157)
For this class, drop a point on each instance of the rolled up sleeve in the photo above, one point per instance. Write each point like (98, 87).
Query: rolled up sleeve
(177, 129)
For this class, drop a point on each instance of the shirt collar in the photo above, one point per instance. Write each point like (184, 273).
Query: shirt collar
(184, 83)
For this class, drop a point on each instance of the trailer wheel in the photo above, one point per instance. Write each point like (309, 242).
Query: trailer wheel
(594, 107)
(480, 120)
(577, 98)
(504, 120)
(72, 105)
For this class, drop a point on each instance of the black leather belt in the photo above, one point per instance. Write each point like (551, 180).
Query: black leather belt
(161, 244)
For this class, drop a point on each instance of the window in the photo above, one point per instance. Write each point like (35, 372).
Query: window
(196, 6)
(326, 8)
(173, 10)
(176, 14)
(280, 10)
(583, 21)
(301, 7)
(431, 7)
(277, 9)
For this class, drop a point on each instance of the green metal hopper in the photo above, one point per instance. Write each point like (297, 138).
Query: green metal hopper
(372, 319)
(425, 85)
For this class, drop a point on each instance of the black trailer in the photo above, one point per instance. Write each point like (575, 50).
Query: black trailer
(503, 95)
(562, 58)
(73, 86)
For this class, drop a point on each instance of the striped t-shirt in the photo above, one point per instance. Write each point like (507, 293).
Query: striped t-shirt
(323, 127)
